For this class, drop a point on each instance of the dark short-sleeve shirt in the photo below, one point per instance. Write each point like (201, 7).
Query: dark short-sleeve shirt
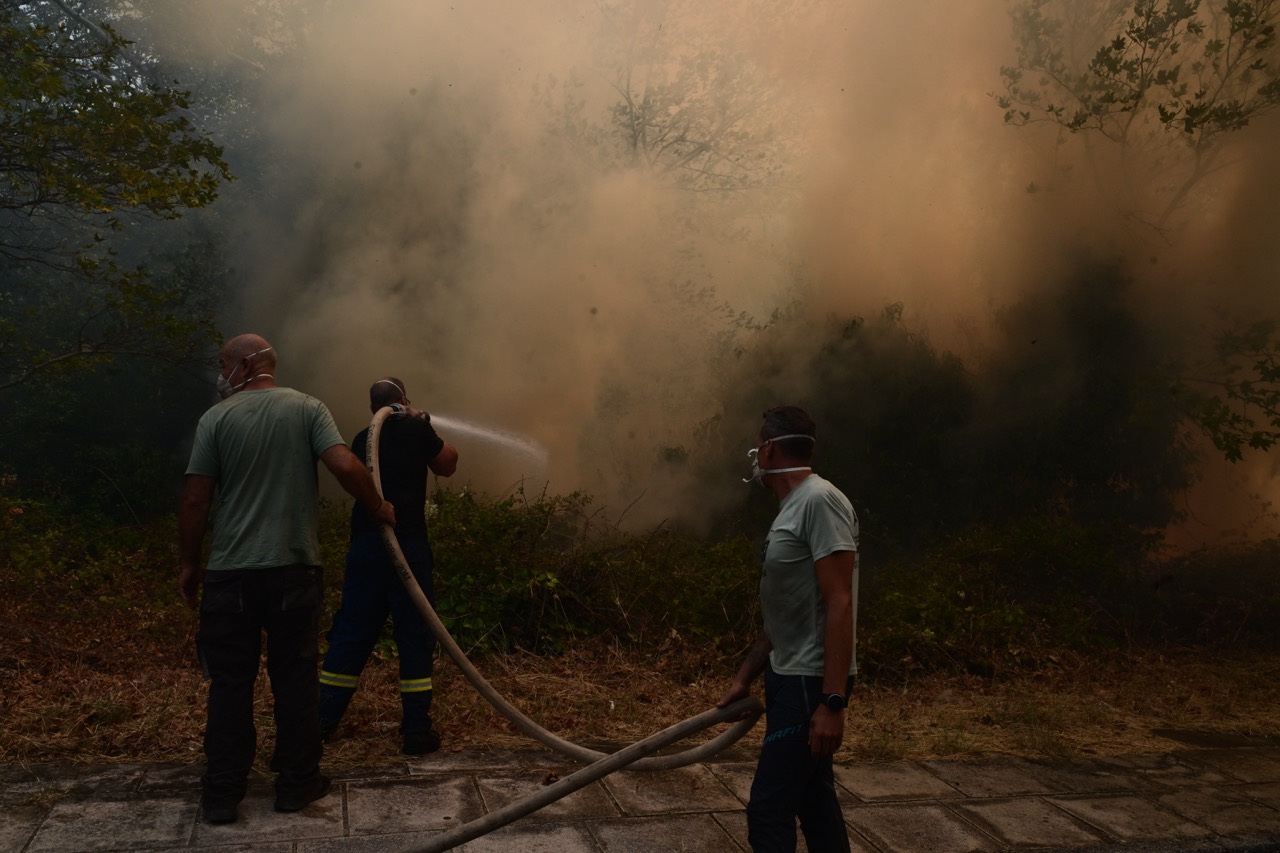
(405, 446)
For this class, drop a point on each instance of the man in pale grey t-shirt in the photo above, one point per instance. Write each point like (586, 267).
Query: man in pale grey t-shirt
(808, 597)
(252, 477)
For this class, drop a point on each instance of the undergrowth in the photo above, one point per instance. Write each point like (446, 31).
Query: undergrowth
(594, 630)
(540, 573)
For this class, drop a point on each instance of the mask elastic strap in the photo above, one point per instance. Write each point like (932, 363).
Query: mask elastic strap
(392, 384)
(793, 435)
(250, 379)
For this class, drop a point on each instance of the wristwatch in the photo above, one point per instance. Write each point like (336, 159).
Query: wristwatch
(835, 702)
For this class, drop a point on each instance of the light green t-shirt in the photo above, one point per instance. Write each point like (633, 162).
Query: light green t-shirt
(261, 449)
(814, 520)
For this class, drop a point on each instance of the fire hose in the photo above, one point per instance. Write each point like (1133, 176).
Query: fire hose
(637, 756)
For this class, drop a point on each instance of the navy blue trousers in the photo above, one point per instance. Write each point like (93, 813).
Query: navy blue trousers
(372, 590)
(237, 607)
(790, 784)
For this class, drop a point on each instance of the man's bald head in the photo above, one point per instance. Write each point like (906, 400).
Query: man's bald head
(246, 361)
(246, 346)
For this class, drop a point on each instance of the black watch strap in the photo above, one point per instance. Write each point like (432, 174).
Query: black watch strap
(835, 701)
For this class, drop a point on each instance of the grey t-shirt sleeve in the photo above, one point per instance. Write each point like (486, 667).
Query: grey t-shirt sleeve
(831, 524)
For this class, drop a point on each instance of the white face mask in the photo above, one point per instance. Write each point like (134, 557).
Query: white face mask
(223, 383)
(757, 472)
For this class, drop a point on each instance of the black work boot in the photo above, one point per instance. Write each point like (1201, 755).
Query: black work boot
(421, 743)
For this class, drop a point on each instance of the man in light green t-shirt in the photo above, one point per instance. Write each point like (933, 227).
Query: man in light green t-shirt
(808, 597)
(252, 477)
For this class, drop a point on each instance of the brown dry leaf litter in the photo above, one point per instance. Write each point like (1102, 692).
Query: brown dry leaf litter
(55, 706)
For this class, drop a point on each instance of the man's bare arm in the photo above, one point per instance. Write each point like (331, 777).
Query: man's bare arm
(754, 663)
(351, 474)
(193, 521)
(835, 582)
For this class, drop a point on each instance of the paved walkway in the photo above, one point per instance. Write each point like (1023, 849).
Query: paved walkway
(1190, 800)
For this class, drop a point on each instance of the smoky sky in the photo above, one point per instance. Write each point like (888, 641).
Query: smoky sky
(440, 192)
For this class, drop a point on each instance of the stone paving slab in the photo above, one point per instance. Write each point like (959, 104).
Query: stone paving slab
(1243, 764)
(591, 801)
(736, 777)
(1225, 811)
(1001, 777)
(899, 780)
(18, 781)
(1131, 818)
(1027, 822)
(1164, 770)
(438, 803)
(1085, 776)
(18, 824)
(74, 824)
(396, 842)
(1268, 794)
(166, 777)
(247, 847)
(687, 789)
(544, 839)
(467, 761)
(693, 833)
(910, 828)
(1193, 800)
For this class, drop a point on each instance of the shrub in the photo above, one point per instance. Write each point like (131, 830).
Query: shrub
(536, 573)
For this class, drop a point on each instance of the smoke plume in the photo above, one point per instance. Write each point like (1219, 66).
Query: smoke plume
(461, 195)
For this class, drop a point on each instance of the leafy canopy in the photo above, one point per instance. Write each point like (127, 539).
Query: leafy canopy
(1167, 78)
(1164, 83)
(88, 145)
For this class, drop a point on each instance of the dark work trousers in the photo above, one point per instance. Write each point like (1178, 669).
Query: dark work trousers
(790, 783)
(371, 590)
(237, 607)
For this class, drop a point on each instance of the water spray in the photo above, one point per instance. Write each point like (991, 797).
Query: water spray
(530, 449)
(638, 756)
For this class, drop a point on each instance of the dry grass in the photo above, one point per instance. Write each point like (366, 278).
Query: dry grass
(112, 706)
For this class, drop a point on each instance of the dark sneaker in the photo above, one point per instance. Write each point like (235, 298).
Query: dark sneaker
(421, 743)
(218, 812)
(297, 802)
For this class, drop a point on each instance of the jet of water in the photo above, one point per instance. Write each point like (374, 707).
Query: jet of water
(524, 446)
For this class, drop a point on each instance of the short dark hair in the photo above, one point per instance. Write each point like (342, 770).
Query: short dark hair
(385, 392)
(790, 420)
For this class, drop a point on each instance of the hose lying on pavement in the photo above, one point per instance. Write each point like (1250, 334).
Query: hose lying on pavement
(638, 756)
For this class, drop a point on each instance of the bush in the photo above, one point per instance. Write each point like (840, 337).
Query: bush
(1001, 598)
(536, 573)
(541, 573)
(1229, 595)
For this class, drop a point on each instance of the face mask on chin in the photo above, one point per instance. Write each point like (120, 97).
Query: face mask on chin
(754, 453)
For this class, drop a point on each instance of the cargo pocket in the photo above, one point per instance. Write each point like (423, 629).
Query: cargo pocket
(223, 594)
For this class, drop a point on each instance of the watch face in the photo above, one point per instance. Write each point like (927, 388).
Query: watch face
(835, 701)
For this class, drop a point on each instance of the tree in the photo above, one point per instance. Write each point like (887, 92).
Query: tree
(1235, 396)
(1165, 83)
(695, 110)
(88, 147)
(1165, 80)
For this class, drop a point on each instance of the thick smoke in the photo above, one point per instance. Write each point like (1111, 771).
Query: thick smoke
(440, 192)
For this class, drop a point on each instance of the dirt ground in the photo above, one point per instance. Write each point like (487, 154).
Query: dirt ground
(108, 706)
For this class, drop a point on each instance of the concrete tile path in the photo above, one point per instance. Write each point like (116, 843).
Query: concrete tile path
(1188, 800)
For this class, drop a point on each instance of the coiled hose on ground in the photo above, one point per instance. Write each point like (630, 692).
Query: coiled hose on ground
(637, 756)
